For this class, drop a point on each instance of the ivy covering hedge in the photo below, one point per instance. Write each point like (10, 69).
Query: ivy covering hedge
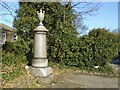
(97, 48)
(64, 46)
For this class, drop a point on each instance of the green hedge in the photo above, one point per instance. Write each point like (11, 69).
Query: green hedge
(97, 48)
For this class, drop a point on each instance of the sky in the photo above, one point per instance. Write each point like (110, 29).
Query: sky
(8, 19)
(106, 16)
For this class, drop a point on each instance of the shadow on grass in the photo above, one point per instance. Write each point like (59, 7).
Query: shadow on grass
(30, 55)
(116, 60)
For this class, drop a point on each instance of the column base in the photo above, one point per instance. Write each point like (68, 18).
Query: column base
(40, 62)
(41, 71)
(46, 80)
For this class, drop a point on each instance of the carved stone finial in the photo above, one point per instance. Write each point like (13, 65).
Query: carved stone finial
(41, 16)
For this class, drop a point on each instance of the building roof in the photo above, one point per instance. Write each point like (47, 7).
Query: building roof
(7, 28)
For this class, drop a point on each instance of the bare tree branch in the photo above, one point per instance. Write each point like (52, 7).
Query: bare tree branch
(86, 9)
(7, 10)
(81, 10)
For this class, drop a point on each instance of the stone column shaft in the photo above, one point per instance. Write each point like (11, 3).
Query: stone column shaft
(40, 56)
(40, 45)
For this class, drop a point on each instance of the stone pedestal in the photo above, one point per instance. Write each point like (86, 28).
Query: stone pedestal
(39, 66)
(42, 72)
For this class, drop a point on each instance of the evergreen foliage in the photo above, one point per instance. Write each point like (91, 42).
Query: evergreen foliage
(98, 48)
(58, 20)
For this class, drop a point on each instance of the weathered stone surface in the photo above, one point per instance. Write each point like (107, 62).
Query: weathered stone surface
(41, 72)
(40, 62)
(45, 80)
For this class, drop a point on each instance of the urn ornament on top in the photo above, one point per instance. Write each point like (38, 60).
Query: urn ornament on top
(41, 16)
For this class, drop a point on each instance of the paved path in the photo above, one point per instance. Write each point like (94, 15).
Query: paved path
(76, 80)
(91, 81)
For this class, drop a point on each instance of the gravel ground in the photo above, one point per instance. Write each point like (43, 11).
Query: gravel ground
(91, 81)
(66, 79)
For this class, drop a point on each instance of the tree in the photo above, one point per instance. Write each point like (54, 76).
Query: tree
(98, 48)
(62, 37)
(81, 9)
(62, 32)
(105, 46)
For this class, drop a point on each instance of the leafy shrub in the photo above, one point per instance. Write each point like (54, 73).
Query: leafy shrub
(18, 47)
(85, 52)
(12, 65)
(118, 57)
(10, 59)
(7, 46)
(98, 48)
(21, 46)
(62, 43)
(105, 46)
